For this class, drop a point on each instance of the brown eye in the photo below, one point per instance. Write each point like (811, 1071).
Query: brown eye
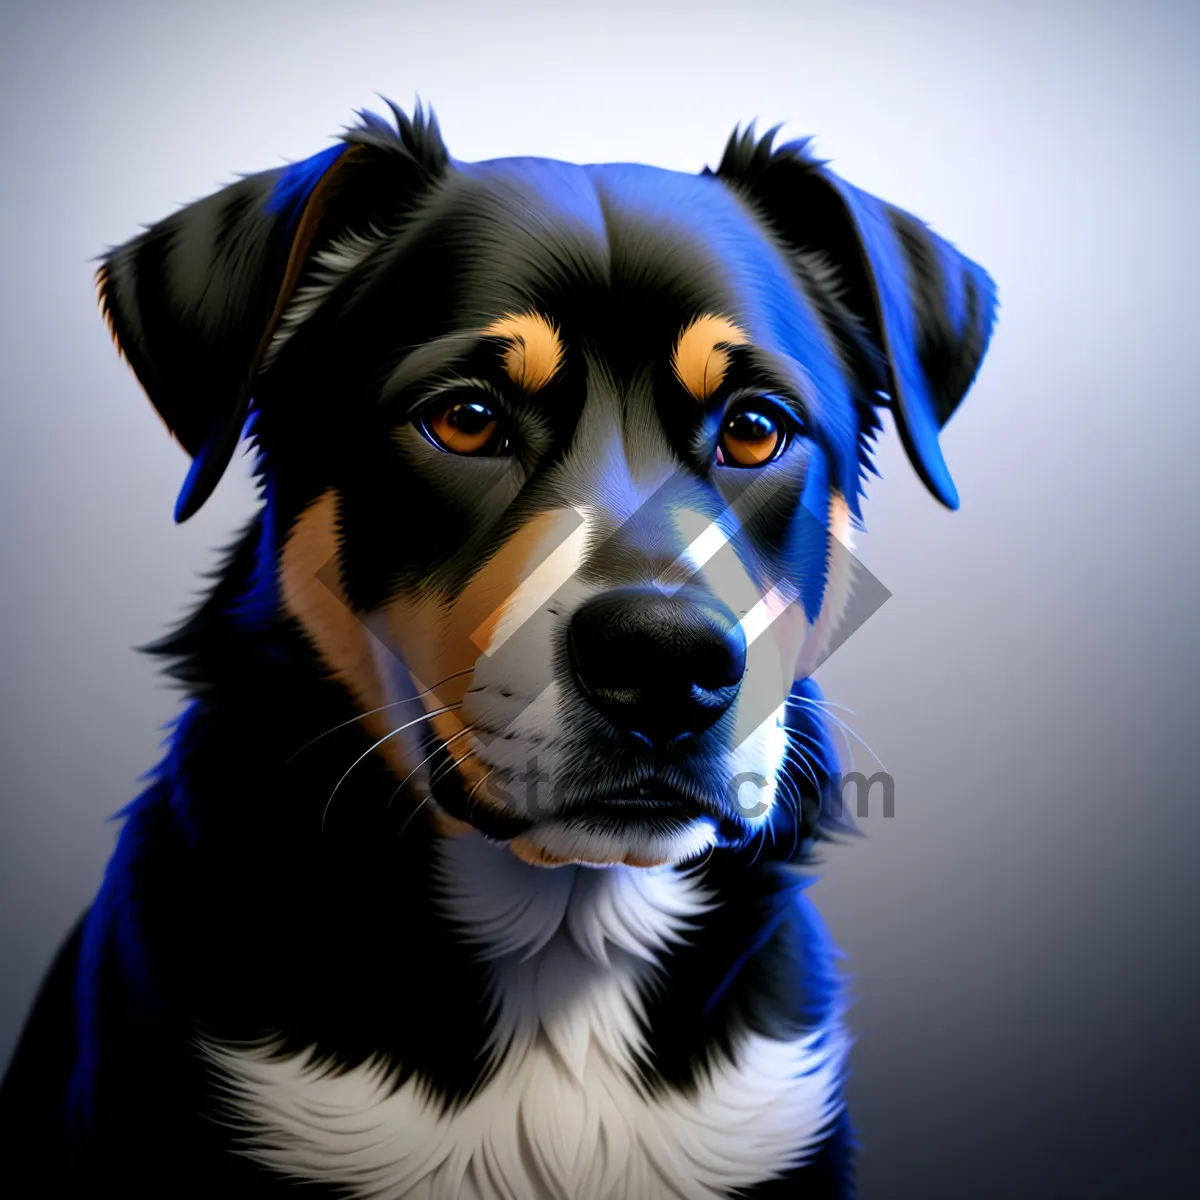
(749, 438)
(463, 426)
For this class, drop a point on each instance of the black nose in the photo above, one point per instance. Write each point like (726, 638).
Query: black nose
(657, 665)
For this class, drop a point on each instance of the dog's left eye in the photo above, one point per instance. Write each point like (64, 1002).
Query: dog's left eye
(752, 435)
(467, 424)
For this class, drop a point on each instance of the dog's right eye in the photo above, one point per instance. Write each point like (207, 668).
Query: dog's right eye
(466, 423)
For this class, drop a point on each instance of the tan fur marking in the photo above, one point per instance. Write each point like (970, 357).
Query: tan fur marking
(839, 519)
(488, 596)
(531, 853)
(699, 358)
(437, 642)
(318, 604)
(432, 640)
(447, 826)
(837, 587)
(422, 634)
(105, 311)
(633, 860)
(535, 351)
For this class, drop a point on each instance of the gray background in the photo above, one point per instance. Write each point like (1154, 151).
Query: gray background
(1021, 933)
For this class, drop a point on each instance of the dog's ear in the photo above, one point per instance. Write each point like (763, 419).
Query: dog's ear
(926, 309)
(193, 302)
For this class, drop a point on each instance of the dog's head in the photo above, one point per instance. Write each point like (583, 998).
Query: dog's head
(560, 462)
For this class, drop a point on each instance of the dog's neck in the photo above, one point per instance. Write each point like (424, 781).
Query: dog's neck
(503, 906)
(559, 943)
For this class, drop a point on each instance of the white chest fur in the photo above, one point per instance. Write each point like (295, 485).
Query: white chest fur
(562, 1116)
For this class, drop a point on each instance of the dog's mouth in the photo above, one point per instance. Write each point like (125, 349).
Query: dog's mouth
(650, 821)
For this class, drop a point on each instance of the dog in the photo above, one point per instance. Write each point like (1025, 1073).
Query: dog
(476, 863)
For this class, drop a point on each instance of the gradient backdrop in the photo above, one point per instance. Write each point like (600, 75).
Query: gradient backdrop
(1021, 933)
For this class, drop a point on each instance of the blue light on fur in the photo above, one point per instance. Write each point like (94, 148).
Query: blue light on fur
(808, 552)
(199, 460)
(111, 923)
(564, 200)
(767, 932)
(297, 181)
(820, 986)
(802, 712)
(258, 605)
(954, 289)
(113, 920)
(917, 415)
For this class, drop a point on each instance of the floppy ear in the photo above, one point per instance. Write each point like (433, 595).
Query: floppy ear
(927, 310)
(193, 302)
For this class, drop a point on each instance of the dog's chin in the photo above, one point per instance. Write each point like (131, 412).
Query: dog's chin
(646, 826)
(562, 842)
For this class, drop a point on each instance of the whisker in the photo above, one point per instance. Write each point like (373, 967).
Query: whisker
(436, 751)
(814, 741)
(453, 764)
(443, 771)
(843, 751)
(762, 839)
(408, 819)
(807, 767)
(382, 708)
(823, 703)
(844, 745)
(796, 823)
(429, 795)
(844, 727)
(696, 867)
(400, 729)
(792, 796)
(858, 738)
(479, 783)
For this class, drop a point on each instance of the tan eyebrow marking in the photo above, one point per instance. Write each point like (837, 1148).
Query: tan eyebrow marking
(700, 359)
(535, 351)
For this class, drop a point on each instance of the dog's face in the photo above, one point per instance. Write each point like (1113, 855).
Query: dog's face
(560, 462)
